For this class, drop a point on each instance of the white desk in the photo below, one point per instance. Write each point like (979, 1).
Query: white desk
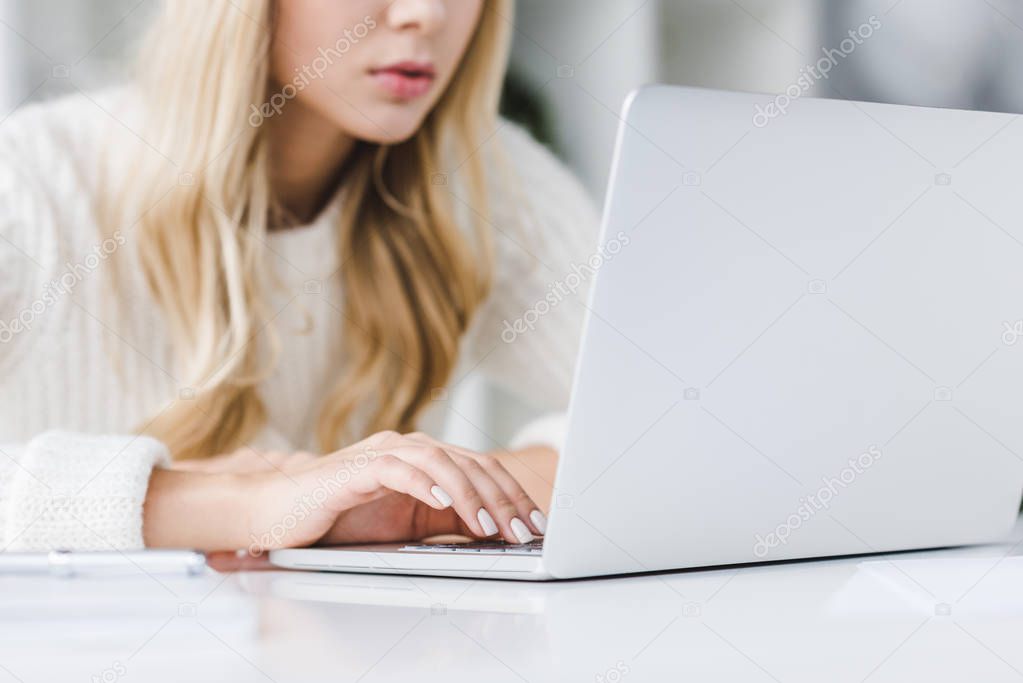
(949, 615)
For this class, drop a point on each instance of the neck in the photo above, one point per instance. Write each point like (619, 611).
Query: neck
(307, 155)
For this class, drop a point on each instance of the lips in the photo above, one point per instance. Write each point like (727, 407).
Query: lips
(405, 80)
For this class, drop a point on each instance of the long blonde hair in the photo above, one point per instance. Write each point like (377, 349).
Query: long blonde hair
(412, 278)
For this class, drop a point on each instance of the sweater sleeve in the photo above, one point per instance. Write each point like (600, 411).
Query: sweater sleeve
(57, 489)
(526, 337)
(28, 245)
(75, 491)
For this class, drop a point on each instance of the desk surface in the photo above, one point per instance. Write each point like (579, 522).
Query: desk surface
(939, 615)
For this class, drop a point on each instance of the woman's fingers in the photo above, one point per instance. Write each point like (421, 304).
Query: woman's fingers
(388, 472)
(497, 500)
(526, 510)
(513, 529)
(475, 509)
(484, 495)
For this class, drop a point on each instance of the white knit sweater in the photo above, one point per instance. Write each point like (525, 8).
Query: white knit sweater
(76, 383)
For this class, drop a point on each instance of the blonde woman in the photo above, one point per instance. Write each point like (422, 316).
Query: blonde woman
(236, 292)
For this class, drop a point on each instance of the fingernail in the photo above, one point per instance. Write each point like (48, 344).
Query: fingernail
(520, 530)
(539, 521)
(487, 522)
(442, 496)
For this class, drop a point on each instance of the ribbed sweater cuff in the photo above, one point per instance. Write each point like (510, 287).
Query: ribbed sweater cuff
(79, 491)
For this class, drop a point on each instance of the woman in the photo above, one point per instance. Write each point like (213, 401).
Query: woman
(299, 224)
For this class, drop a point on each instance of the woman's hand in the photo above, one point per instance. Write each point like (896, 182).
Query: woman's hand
(397, 517)
(388, 487)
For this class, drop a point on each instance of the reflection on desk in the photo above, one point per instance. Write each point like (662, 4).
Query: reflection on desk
(937, 615)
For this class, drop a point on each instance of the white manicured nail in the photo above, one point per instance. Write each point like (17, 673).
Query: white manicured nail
(487, 522)
(520, 530)
(442, 496)
(539, 521)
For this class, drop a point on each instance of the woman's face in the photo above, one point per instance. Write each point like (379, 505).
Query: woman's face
(373, 68)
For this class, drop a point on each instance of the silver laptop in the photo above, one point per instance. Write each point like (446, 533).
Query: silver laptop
(806, 342)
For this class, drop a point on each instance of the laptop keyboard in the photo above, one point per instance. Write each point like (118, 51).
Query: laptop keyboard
(531, 548)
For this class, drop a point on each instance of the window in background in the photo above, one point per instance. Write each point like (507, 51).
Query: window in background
(943, 53)
(51, 47)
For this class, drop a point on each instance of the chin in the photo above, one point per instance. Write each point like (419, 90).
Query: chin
(387, 127)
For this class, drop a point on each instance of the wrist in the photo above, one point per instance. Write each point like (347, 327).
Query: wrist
(196, 510)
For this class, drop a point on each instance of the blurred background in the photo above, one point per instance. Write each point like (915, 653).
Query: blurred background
(574, 62)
